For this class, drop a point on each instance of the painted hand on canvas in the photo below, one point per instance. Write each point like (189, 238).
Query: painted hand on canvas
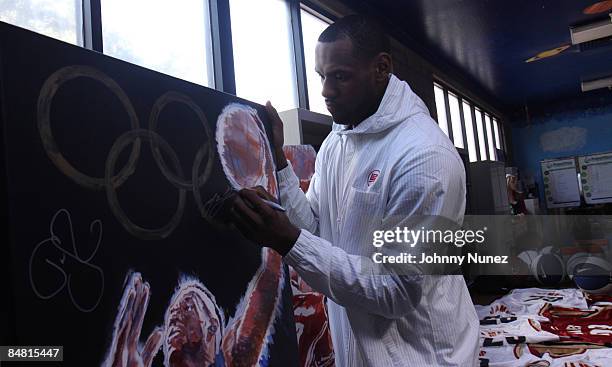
(248, 164)
(125, 349)
(244, 149)
(246, 157)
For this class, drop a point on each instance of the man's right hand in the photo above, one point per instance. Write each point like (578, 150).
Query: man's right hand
(277, 136)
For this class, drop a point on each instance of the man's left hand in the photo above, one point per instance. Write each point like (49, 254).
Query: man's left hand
(262, 224)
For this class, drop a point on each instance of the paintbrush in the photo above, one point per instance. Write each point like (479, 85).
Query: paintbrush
(271, 204)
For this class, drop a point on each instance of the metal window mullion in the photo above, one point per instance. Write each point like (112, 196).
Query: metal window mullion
(502, 137)
(298, 53)
(499, 137)
(475, 128)
(495, 158)
(86, 26)
(486, 136)
(315, 8)
(449, 121)
(500, 128)
(503, 142)
(496, 137)
(209, 67)
(463, 127)
(92, 25)
(223, 56)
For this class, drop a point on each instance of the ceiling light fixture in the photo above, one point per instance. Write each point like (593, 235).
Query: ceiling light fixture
(596, 84)
(591, 31)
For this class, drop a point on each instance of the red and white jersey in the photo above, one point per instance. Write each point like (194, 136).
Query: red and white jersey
(529, 302)
(546, 328)
(572, 325)
(508, 356)
(521, 355)
(496, 331)
(598, 299)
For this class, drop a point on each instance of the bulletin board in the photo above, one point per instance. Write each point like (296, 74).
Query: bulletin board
(560, 183)
(596, 177)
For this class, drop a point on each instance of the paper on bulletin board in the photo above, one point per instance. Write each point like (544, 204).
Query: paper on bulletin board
(560, 183)
(596, 177)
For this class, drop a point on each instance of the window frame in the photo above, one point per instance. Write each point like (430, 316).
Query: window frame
(307, 7)
(496, 135)
(92, 25)
(461, 118)
(221, 39)
(484, 148)
(224, 38)
(448, 129)
(224, 78)
(299, 91)
(465, 128)
(80, 15)
(487, 119)
(461, 97)
(298, 53)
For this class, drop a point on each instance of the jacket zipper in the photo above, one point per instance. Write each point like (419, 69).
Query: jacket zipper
(340, 193)
(347, 169)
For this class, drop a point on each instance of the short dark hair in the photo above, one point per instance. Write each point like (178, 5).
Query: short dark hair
(366, 34)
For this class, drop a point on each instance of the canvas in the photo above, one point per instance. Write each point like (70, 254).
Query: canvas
(116, 179)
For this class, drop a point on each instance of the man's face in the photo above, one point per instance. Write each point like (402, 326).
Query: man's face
(349, 83)
(194, 332)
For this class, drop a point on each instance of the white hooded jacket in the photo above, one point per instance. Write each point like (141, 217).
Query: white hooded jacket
(395, 164)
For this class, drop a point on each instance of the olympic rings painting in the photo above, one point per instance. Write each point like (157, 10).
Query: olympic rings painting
(117, 180)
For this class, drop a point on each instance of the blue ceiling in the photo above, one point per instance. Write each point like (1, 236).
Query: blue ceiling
(488, 41)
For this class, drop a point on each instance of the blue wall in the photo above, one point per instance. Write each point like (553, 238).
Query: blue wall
(562, 129)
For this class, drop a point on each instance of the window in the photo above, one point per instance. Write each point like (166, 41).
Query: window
(469, 131)
(262, 42)
(492, 155)
(441, 108)
(453, 102)
(496, 132)
(481, 138)
(61, 19)
(163, 36)
(312, 26)
(486, 127)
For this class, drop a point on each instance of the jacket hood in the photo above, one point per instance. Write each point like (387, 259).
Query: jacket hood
(392, 110)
